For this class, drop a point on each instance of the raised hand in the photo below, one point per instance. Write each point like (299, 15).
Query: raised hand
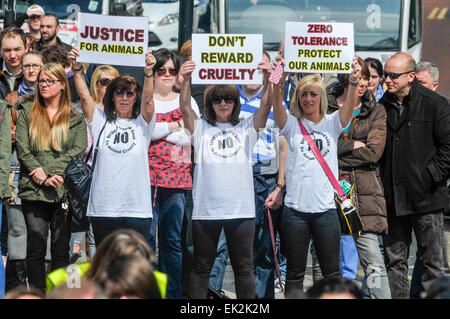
(150, 61)
(186, 69)
(73, 54)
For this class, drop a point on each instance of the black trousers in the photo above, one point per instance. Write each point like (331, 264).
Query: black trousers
(39, 216)
(429, 231)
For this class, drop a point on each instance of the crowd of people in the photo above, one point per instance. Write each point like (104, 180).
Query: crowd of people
(186, 176)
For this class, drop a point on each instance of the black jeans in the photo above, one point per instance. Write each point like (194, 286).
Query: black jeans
(296, 230)
(38, 216)
(239, 234)
(103, 226)
(429, 231)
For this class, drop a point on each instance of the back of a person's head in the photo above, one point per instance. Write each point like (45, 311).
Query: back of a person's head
(84, 289)
(334, 288)
(24, 292)
(439, 289)
(57, 54)
(120, 242)
(130, 276)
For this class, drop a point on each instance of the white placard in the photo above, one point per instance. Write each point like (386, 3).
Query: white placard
(227, 58)
(319, 47)
(112, 40)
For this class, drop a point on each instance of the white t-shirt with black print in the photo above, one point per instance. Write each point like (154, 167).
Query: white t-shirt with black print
(223, 176)
(308, 188)
(121, 181)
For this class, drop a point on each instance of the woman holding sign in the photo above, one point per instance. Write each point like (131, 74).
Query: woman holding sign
(310, 209)
(223, 192)
(120, 195)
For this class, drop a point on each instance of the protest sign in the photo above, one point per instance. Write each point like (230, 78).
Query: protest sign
(227, 58)
(319, 47)
(112, 40)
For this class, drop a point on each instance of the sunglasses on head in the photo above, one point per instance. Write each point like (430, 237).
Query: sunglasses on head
(104, 81)
(227, 98)
(122, 93)
(162, 72)
(394, 76)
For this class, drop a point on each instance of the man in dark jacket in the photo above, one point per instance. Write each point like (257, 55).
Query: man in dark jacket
(49, 33)
(12, 47)
(416, 163)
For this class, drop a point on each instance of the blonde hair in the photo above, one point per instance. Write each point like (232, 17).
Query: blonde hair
(305, 83)
(43, 133)
(108, 69)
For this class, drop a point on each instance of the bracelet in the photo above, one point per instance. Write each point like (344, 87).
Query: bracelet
(179, 124)
(282, 187)
(77, 70)
(353, 82)
(148, 76)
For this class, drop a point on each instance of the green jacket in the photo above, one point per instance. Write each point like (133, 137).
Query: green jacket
(53, 162)
(5, 150)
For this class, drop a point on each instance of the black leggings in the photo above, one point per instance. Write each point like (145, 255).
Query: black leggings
(239, 234)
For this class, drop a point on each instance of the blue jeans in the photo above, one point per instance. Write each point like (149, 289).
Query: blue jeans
(220, 264)
(2, 268)
(263, 256)
(168, 212)
(349, 257)
(296, 231)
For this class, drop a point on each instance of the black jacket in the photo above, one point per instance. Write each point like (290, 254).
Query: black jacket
(4, 86)
(416, 160)
(40, 45)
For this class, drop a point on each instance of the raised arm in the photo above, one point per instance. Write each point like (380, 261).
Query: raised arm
(346, 111)
(87, 103)
(147, 103)
(261, 114)
(279, 112)
(189, 115)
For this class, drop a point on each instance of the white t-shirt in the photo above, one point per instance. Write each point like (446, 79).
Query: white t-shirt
(223, 177)
(121, 181)
(308, 188)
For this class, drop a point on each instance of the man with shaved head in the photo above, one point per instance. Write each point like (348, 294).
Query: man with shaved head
(415, 167)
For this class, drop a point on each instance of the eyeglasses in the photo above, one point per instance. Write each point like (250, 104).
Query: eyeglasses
(394, 76)
(47, 82)
(104, 81)
(122, 93)
(31, 66)
(229, 99)
(162, 72)
(34, 17)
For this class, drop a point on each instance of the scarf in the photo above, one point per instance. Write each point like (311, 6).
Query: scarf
(25, 90)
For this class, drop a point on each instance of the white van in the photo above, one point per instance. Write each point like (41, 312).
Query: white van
(381, 27)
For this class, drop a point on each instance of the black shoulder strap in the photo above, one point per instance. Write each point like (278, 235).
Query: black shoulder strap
(96, 146)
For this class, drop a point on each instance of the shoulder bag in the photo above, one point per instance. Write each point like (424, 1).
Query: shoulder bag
(77, 178)
(348, 215)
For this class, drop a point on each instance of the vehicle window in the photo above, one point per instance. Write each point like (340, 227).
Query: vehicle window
(69, 8)
(161, 1)
(376, 22)
(414, 32)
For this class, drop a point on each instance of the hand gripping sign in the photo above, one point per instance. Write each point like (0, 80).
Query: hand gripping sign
(112, 40)
(319, 47)
(227, 58)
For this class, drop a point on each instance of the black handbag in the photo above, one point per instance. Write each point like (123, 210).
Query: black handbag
(77, 179)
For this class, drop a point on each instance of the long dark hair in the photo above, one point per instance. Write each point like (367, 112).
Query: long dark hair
(221, 90)
(121, 83)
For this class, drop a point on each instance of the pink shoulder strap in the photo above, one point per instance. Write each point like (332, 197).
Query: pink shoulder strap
(323, 163)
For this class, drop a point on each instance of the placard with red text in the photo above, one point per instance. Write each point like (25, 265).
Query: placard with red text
(227, 58)
(319, 47)
(112, 40)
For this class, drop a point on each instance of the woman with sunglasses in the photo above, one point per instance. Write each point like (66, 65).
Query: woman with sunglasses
(101, 78)
(120, 194)
(223, 192)
(310, 209)
(48, 136)
(170, 163)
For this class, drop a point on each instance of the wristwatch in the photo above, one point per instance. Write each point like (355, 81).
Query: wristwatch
(282, 187)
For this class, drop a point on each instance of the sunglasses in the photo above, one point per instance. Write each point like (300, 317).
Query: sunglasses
(229, 99)
(104, 81)
(394, 76)
(162, 72)
(122, 93)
